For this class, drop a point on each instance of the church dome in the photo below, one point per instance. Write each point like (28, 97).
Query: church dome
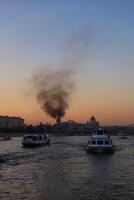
(92, 118)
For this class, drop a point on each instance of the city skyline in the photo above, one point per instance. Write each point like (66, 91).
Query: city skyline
(36, 33)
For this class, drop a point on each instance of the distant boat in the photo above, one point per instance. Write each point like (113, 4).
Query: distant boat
(100, 142)
(5, 138)
(35, 140)
(122, 136)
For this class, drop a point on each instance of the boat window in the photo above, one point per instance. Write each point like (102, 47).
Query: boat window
(106, 141)
(40, 137)
(34, 137)
(28, 137)
(100, 133)
(93, 142)
(100, 142)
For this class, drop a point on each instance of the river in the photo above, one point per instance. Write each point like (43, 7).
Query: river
(64, 171)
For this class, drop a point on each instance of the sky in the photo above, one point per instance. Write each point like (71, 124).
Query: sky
(34, 33)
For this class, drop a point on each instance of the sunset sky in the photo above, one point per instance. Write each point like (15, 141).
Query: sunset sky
(34, 33)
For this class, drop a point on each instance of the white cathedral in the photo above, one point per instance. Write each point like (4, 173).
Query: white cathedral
(92, 123)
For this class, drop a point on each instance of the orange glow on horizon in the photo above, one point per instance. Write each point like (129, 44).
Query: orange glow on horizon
(106, 110)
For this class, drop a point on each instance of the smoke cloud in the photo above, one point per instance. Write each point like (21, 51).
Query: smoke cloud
(54, 83)
(54, 88)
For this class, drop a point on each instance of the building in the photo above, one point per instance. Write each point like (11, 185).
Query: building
(11, 122)
(72, 127)
(92, 123)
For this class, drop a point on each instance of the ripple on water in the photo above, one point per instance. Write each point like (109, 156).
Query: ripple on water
(64, 170)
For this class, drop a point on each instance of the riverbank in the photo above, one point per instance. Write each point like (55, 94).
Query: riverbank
(55, 134)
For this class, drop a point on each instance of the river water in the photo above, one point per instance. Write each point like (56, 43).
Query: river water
(64, 171)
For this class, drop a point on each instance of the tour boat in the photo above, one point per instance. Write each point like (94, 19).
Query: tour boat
(35, 140)
(100, 142)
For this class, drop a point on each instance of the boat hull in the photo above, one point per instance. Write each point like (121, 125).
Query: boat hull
(100, 150)
(33, 145)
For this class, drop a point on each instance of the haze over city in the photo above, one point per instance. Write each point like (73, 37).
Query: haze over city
(38, 35)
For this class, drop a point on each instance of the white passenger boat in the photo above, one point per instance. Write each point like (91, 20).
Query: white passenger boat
(35, 140)
(100, 142)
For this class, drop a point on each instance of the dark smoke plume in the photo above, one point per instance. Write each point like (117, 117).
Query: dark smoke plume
(54, 88)
(54, 83)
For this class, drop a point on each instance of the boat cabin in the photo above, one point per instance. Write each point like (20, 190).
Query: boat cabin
(34, 137)
(35, 140)
(100, 142)
(100, 137)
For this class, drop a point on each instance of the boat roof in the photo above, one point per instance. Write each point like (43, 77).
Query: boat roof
(100, 131)
(27, 135)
